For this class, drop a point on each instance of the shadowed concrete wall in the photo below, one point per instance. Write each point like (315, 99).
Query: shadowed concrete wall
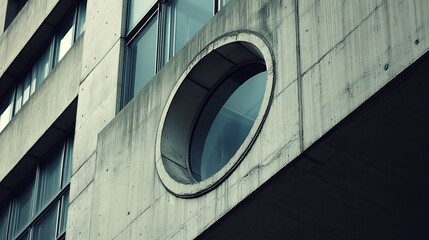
(329, 57)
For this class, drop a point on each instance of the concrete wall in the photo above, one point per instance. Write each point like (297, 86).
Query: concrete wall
(347, 51)
(97, 104)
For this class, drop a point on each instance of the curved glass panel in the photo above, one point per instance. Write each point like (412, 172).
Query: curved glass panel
(226, 121)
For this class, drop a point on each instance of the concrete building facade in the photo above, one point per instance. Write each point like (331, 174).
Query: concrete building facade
(129, 140)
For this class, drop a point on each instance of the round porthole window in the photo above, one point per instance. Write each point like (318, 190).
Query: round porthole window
(226, 120)
(214, 114)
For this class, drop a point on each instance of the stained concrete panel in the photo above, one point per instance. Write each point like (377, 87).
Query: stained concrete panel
(362, 62)
(78, 225)
(127, 191)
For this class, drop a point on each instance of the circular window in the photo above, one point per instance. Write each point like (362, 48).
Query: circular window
(226, 120)
(214, 114)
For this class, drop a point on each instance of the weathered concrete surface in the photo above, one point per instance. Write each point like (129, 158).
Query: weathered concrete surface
(129, 199)
(56, 93)
(97, 105)
(350, 49)
(344, 48)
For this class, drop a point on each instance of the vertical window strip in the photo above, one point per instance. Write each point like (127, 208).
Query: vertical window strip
(22, 217)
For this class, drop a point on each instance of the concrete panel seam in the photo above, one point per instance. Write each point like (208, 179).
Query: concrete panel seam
(101, 59)
(299, 78)
(343, 40)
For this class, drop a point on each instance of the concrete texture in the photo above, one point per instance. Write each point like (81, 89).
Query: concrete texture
(328, 58)
(341, 63)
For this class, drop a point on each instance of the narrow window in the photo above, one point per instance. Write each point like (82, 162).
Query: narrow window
(65, 39)
(142, 57)
(22, 209)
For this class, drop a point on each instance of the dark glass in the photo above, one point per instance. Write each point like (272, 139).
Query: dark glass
(225, 122)
(64, 210)
(49, 180)
(81, 19)
(45, 229)
(67, 161)
(22, 209)
(4, 221)
(143, 56)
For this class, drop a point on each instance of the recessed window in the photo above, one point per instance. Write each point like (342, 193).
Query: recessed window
(226, 120)
(39, 208)
(156, 31)
(214, 115)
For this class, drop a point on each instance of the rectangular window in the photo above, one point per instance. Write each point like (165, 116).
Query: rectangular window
(137, 9)
(6, 110)
(49, 180)
(183, 19)
(45, 229)
(39, 209)
(156, 32)
(142, 56)
(22, 209)
(65, 38)
(81, 19)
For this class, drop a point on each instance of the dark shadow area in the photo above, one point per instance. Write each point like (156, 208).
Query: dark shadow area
(367, 178)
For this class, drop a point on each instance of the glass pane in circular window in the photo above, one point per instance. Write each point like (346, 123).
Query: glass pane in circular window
(226, 120)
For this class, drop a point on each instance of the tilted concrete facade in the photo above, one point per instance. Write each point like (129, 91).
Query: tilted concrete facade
(328, 58)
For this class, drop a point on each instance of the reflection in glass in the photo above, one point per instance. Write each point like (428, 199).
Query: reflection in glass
(42, 67)
(143, 56)
(64, 210)
(45, 229)
(184, 18)
(64, 39)
(81, 18)
(67, 161)
(6, 108)
(49, 180)
(224, 124)
(136, 10)
(21, 210)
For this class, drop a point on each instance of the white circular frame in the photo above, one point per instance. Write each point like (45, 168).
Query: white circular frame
(198, 188)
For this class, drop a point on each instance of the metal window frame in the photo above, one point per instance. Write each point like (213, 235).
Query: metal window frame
(57, 201)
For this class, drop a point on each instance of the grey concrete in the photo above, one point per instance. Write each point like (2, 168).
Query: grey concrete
(56, 93)
(328, 58)
(3, 10)
(344, 49)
